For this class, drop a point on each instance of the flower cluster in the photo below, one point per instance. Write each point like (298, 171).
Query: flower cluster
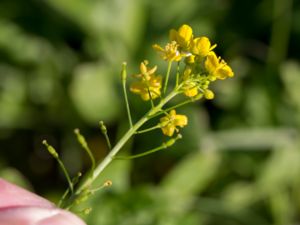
(197, 66)
(201, 64)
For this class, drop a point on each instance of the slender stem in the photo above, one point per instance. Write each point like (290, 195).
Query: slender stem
(124, 75)
(66, 193)
(164, 111)
(63, 197)
(167, 76)
(107, 141)
(66, 174)
(107, 183)
(84, 145)
(55, 155)
(177, 74)
(192, 99)
(104, 132)
(179, 105)
(88, 180)
(147, 130)
(142, 154)
(164, 145)
(91, 156)
(150, 96)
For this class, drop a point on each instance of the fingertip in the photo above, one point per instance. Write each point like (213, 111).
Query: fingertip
(62, 217)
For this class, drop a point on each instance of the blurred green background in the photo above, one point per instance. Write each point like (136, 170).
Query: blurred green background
(239, 161)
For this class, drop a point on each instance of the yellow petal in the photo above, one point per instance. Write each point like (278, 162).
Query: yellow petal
(177, 58)
(136, 87)
(211, 62)
(190, 59)
(168, 130)
(201, 46)
(155, 81)
(181, 120)
(224, 72)
(185, 32)
(155, 92)
(168, 123)
(152, 70)
(143, 68)
(184, 36)
(172, 113)
(145, 96)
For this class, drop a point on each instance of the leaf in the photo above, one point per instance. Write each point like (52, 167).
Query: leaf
(192, 174)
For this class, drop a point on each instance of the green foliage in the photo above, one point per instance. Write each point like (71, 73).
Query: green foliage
(238, 162)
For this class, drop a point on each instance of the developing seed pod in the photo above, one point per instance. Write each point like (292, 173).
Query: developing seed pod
(51, 149)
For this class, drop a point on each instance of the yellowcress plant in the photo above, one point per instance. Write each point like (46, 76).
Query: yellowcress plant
(197, 66)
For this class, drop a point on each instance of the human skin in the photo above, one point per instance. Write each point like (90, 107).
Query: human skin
(21, 207)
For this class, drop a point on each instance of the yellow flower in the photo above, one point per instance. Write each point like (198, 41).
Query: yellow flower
(183, 36)
(170, 52)
(149, 85)
(190, 88)
(148, 89)
(201, 46)
(146, 73)
(190, 59)
(217, 67)
(170, 122)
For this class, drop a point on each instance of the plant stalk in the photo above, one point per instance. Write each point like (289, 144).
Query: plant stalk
(88, 180)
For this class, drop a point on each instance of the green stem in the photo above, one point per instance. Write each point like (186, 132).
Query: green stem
(167, 76)
(142, 154)
(164, 145)
(66, 174)
(124, 75)
(55, 155)
(150, 96)
(104, 132)
(88, 180)
(74, 182)
(60, 203)
(107, 141)
(177, 74)
(84, 145)
(147, 130)
(164, 111)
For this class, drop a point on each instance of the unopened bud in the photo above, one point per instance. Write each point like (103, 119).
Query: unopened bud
(103, 127)
(80, 138)
(50, 149)
(208, 94)
(123, 72)
(169, 142)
